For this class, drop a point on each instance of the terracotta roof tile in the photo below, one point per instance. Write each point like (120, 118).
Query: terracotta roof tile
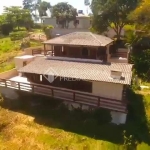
(79, 70)
(81, 38)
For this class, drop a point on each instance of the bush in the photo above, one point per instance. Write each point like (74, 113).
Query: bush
(102, 115)
(47, 30)
(6, 29)
(25, 44)
(18, 35)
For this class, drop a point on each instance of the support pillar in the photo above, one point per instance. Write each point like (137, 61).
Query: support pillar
(52, 50)
(118, 117)
(44, 50)
(107, 52)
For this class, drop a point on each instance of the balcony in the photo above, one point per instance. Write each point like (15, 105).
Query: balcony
(72, 96)
(121, 56)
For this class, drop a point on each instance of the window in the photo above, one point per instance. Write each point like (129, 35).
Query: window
(41, 78)
(24, 63)
(85, 52)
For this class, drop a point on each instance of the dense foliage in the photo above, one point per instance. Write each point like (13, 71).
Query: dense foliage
(64, 13)
(111, 13)
(18, 35)
(47, 30)
(18, 17)
(140, 16)
(35, 6)
(15, 17)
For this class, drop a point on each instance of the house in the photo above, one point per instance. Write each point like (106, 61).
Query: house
(84, 25)
(84, 22)
(79, 71)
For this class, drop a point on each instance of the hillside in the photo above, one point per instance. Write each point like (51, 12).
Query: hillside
(26, 125)
(9, 49)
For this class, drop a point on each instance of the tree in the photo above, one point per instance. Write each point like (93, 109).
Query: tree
(37, 5)
(112, 13)
(18, 17)
(28, 4)
(42, 8)
(48, 31)
(32, 6)
(5, 26)
(140, 16)
(64, 13)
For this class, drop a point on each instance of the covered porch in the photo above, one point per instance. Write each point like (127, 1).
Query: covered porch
(85, 45)
(99, 53)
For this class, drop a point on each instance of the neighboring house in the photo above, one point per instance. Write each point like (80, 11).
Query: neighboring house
(78, 71)
(84, 24)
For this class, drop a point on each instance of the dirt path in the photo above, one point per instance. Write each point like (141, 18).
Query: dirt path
(38, 37)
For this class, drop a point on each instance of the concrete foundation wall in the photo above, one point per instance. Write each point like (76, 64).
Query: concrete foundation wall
(118, 118)
(108, 90)
(9, 74)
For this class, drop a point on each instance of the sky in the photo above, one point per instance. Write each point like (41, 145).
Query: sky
(79, 4)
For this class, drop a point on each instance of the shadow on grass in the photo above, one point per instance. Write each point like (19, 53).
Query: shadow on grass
(94, 124)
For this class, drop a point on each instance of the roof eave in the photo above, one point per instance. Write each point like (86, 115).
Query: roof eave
(76, 44)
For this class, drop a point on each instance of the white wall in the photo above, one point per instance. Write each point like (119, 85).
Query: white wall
(108, 90)
(84, 23)
(19, 62)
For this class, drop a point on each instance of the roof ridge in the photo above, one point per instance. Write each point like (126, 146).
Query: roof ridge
(63, 35)
(95, 38)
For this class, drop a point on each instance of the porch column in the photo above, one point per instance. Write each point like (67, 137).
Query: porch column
(118, 117)
(44, 50)
(107, 52)
(97, 57)
(52, 50)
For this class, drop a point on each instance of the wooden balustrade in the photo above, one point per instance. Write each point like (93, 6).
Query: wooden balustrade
(67, 95)
(38, 52)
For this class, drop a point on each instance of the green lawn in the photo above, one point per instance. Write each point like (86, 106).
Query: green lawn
(49, 127)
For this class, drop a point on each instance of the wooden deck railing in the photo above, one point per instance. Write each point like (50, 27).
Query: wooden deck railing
(38, 52)
(67, 95)
(120, 54)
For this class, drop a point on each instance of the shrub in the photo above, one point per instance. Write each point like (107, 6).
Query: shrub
(47, 30)
(102, 115)
(18, 35)
(6, 29)
(25, 44)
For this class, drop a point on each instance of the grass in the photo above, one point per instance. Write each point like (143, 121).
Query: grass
(8, 50)
(47, 126)
(6, 45)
